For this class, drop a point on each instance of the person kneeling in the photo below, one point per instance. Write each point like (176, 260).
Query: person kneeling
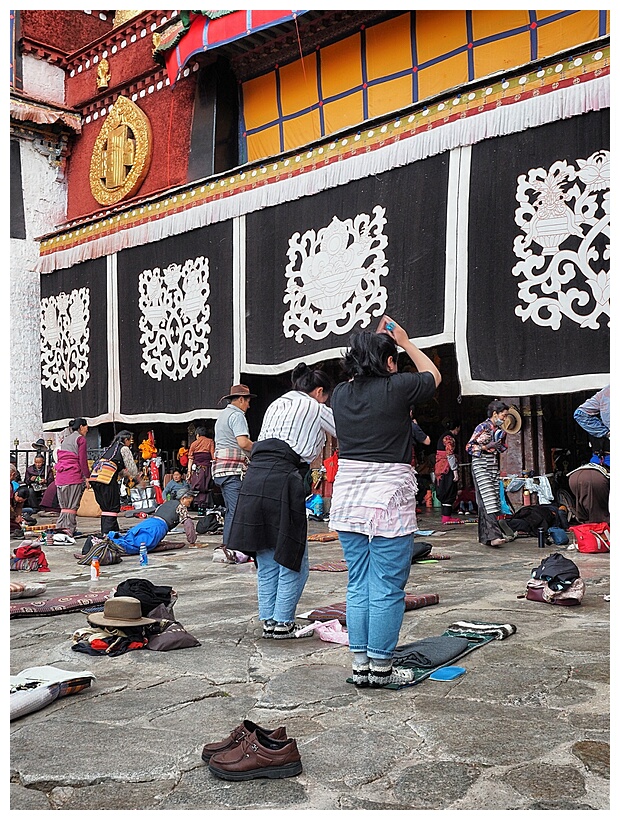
(152, 530)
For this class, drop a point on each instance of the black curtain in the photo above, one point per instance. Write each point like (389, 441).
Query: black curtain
(164, 368)
(415, 202)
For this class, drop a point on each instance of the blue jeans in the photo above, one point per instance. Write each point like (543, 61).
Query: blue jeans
(378, 571)
(279, 588)
(230, 486)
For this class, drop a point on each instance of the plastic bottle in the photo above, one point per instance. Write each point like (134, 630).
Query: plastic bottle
(49, 538)
(94, 569)
(144, 556)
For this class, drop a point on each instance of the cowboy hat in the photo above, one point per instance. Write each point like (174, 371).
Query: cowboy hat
(239, 390)
(512, 422)
(120, 611)
(39, 444)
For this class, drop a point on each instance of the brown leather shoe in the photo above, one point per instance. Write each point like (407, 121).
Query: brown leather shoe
(236, 736)
(257, 755)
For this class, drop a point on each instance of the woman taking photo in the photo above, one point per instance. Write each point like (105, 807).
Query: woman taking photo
(374, 493)
(108, 496)
(486, 443)
(270, 519)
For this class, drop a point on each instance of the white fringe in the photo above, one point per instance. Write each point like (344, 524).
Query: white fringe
(511, 118)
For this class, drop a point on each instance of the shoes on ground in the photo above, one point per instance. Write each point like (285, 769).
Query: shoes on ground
(257, 755)
(240, 732)
(268, 627)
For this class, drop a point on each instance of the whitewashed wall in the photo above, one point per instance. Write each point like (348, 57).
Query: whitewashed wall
(45, 207)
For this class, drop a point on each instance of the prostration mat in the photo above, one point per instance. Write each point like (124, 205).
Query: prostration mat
(477, 633)
(341, 566)
(60, 605)
(327, 613)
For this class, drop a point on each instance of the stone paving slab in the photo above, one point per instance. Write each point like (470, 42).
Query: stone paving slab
(530, 715)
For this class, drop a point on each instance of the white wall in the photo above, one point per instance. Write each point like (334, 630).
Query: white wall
(44, 208)
(42, 80)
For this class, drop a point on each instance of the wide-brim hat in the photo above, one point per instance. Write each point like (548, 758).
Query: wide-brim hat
(512, 422)
(238, 391)
(39, 444)
(120, 611)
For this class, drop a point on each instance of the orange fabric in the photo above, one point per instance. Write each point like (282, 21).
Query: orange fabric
(388, 48)
(567, 32)
(343, 113)
(259, 101)
(298, 86)
(341, 67)
(389, 96)
(439, 33)
(494, 57)
(487, 23)
(301, 130)
(453, 73)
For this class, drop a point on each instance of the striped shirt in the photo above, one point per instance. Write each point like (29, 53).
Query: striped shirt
(301, 422)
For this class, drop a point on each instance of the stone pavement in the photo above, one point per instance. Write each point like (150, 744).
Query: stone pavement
(527, 726)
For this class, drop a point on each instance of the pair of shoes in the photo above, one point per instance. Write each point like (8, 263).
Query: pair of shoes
(268, 627)
(288, 629)
(498, 542)
(379, 677)
(257, 753)
(241, 731)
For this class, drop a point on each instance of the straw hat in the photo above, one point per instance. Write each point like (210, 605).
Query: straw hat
(512, 422)
(119, 612)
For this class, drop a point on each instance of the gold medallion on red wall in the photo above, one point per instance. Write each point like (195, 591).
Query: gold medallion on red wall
(122, 153)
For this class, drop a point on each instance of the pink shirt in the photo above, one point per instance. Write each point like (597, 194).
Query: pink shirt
(72, 461)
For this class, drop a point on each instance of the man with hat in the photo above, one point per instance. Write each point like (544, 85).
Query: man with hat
(152, 530)
(232, 449)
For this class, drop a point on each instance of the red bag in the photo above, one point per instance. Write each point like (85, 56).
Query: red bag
(592, 537)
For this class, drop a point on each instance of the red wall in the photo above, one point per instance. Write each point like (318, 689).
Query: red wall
(66, 31)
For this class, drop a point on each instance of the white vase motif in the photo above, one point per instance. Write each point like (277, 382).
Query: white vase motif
(175, 319)
(565, 202)
(334, 277)
(65, 336)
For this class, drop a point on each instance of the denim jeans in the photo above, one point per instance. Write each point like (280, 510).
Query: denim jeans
(378, 571)
(230, 486)
(279, 588)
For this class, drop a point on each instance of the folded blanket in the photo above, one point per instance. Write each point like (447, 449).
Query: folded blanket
(499, 631)
(429, 652)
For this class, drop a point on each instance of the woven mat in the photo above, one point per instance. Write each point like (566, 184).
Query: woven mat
(58, 606)
(323, 536)
(331, 566)
(327, 613)
(166, 546)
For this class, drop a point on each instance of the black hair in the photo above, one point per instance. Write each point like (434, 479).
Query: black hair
(123, 435)
(77, 423)
(450, 424)
(305, 379)
(201, 431)
(22, 491)
(368, 354)
(496, 407)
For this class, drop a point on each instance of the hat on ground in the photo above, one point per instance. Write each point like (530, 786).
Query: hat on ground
(192, 493)
(120, 611)
(512, 422)
(238, 390)
(39, 444)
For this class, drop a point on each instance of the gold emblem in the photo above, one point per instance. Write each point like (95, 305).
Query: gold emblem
(122, 17)
(122, 153)
(103, 74)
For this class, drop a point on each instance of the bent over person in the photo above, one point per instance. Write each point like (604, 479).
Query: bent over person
(270, 520)
(374, 493)
(152, 530)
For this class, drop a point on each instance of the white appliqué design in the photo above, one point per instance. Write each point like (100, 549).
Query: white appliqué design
(175, 319)
(64, 340)
(334, 277)
(564, 216)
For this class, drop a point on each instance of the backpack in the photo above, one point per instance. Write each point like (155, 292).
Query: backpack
(559, 535)
(557, 571)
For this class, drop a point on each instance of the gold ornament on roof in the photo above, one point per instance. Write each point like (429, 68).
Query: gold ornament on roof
(121, 17)
(103, 74)
(122, 153)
